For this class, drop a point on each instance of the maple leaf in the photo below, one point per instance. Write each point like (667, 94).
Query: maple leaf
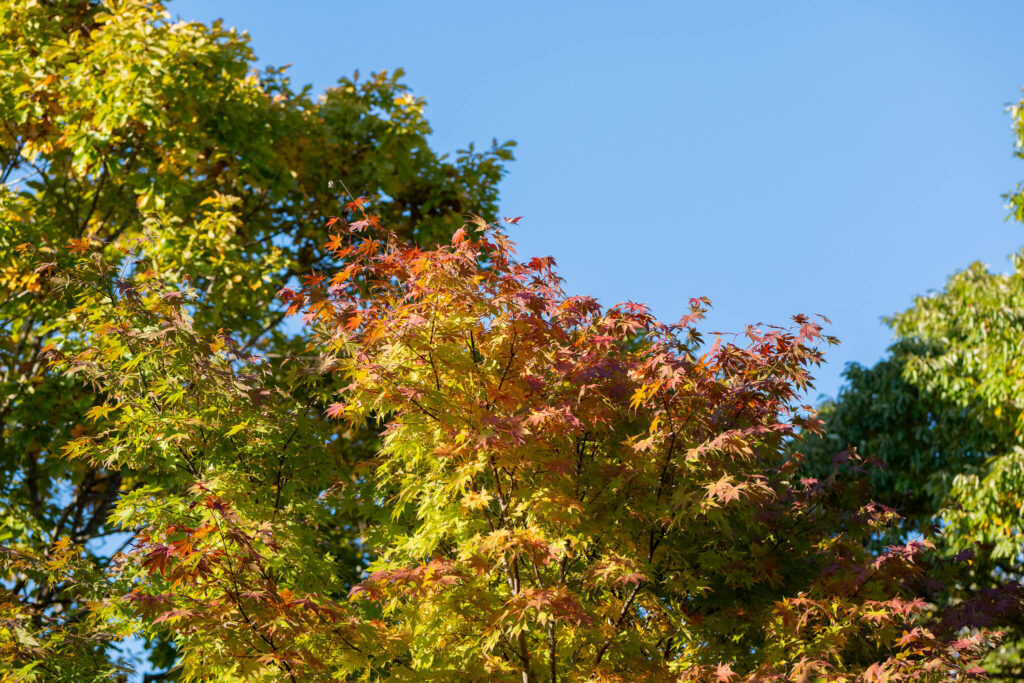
(476, 500)
(724, 490)
(723, 673)
(172, 614)
(335, 409)
(909, 637)
(513, 221)
(631, 578)
(460, 236)
(158, 558)
(415, 319)
(78, 246)
(287, 294)
(355, 204)
(645, 444)
(876, 673)
(313, 279)
(541, 263)
(335, 243)
(809, 331)
(367, 222)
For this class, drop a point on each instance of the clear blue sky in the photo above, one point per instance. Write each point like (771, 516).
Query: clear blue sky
(816, 157)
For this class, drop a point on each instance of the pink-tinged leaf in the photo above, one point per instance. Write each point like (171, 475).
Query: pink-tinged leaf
(541, 263)
(724, 490)
(513, 221)
(174, 613)
(876, 673)
(715, 347)
(809, 331)
(633, 578)
(335, 409)
(724, 673)
(644, 444)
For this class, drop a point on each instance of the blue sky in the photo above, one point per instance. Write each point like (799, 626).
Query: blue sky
(780, 158)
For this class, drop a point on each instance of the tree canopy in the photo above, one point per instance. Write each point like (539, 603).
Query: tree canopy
(454, 471)
(118, 121)
(562, 492)
(943, 413)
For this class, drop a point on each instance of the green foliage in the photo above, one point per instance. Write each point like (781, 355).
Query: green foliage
(1015, 199)
(975, 365)
(229, 481)
(943, 413)
(65, 643)
(115, 120)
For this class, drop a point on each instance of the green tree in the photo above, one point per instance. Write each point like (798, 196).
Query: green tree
(117, 121)
(944, 414)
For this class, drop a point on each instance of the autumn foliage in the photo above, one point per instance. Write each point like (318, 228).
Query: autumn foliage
(117, 120)
(273, 446)
(560, 491)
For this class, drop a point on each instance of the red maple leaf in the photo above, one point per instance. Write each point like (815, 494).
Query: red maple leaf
(876, 672)
(158, 558)
(313, 279)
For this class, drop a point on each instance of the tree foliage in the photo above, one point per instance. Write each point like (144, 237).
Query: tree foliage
(943, 413)
(456, 473)
(116, 120)
(563, 491)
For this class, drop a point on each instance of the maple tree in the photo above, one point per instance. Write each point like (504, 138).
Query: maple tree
(562, 491)
(116, 119)
(559, 491)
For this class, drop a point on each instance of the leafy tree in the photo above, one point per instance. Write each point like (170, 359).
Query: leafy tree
(115, 120)
(563, 491)
(943, 413)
